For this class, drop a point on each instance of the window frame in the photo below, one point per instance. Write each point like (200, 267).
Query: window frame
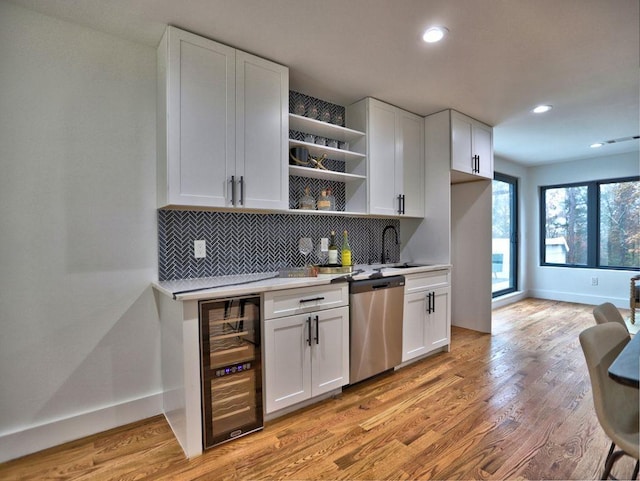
(593, 223)
(515, 232)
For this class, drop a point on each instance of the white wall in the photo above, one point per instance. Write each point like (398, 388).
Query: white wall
(471, 255)
(79, 349)
(573, 284)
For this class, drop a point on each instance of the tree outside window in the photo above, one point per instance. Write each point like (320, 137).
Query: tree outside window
(595, 224)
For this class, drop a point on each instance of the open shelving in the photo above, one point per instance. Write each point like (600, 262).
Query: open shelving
(354, 176)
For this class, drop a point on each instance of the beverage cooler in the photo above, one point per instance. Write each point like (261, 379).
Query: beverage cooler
(231, 368)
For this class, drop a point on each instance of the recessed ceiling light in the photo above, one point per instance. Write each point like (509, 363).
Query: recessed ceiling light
(540, 109)
(434, 34)
(596, 145)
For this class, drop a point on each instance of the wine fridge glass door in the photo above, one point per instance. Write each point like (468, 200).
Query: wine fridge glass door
(231, 369)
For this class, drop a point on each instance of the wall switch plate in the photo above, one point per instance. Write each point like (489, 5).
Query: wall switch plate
(199, 249)
(594, 281)
(324, 244)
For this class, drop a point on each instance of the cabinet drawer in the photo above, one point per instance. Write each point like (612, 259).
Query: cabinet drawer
(426, 280)
(306, 299)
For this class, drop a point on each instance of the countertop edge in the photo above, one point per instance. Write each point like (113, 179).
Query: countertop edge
(239, 287)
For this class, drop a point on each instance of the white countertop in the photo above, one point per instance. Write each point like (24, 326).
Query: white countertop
(238, 285)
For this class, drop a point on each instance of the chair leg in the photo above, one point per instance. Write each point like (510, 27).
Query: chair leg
(635, 470)
(610, 462)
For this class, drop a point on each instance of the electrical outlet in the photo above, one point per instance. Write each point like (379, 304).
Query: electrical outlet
(199, 249)
(594, 281)
(324, 244)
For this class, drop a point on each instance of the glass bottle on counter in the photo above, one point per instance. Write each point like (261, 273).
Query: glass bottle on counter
(307, 202)
(346, 250)
(333, 248)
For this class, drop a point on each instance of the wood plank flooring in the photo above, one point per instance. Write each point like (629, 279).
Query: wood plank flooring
(512, 405)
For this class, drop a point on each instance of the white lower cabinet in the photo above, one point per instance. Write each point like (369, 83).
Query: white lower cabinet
(305, 355)
(427, 314)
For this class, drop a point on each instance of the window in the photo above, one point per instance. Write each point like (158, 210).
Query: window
(591, 224)
(504, 253)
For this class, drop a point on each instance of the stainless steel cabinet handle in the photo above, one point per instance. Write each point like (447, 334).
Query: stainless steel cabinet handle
(309, 327)
(242, 189)
(317, 330)
(399, 203)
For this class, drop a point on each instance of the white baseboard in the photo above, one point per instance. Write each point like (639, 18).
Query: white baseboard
(509, 299)
(36, 438)
(621, 303)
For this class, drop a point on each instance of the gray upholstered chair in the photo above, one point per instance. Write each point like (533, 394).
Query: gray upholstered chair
(634, 297)
(607, 312)
(616, 405)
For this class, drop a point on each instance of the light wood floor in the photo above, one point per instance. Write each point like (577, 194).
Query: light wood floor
(512, 405)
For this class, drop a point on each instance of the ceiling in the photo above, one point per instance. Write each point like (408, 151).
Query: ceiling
(500, 59)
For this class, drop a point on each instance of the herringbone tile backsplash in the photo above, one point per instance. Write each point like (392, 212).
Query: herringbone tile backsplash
(239, 243)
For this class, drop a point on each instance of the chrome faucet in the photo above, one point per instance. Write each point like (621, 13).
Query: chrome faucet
(384, 258)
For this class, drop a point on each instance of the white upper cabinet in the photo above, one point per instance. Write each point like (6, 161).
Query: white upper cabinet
(222, 126)
(262, 132)
(411, 151)
(395, 157)
(471, 147)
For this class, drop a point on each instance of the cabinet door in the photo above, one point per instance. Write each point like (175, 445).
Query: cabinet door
(383, 198)
(412, 163)
(262, 128)
(438, 322)
(461, 153)
(330, 350)
(201, 120)
(414, 325)
(483, 148)
(287, 360)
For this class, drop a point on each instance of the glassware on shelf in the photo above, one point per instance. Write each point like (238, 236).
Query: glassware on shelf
(326, 116)
(337, 119)
(332, 143)
(310, 138)
(299, 108)
(312, 112)
(323, 201)
(331, 198)
(321, 141)
(307, 202)
(344, 146)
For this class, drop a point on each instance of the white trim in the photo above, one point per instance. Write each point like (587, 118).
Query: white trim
(36, 438)
(509, 299)
(620, 302)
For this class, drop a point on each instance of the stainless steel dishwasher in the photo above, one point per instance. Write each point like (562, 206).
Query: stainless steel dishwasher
(375, 312)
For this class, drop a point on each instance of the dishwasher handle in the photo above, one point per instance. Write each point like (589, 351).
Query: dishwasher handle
(368, 285)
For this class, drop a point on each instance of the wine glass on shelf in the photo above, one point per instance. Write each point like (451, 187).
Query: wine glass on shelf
(305, 247)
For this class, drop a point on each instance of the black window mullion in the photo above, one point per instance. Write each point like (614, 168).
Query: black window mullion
(592, 225)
